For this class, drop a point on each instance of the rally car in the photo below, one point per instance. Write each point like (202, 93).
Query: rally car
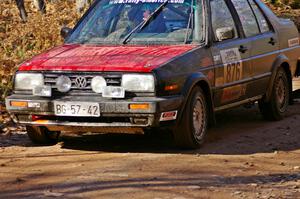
(135, 65)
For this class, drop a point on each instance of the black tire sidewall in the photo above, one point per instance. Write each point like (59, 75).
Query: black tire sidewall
(184, 133)
(270, 109)
(41, 135)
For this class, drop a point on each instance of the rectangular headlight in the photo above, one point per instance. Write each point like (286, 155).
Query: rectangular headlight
(138, 82)
(28, 81)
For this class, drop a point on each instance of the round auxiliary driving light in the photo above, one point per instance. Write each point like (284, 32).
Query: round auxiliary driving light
(98, 84)
(63, 84)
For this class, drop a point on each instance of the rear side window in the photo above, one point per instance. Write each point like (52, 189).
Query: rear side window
(262, 21)
(221, 16)
(247, 17)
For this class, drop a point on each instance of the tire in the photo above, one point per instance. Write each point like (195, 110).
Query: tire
(41, 135)
(275, 108)
(192, 128)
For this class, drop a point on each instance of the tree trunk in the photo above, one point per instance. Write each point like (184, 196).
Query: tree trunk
(22, 11)
(40, 5)
(80, 4)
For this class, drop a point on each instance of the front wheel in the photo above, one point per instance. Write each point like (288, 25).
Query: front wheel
(41, 135)
(192, 128)
(275, 108)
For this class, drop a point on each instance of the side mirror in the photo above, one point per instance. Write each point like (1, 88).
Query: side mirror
(65, 31)
(224, 33)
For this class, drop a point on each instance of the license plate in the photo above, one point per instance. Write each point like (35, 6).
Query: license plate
(78, 109)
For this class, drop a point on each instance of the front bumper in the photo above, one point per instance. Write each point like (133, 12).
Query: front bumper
(113, 112)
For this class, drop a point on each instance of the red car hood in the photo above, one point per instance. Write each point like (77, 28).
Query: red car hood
(104, 58)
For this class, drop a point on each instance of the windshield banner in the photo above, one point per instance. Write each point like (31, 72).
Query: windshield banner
(144, 1)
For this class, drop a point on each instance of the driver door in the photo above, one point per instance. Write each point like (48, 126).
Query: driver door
(231, 57)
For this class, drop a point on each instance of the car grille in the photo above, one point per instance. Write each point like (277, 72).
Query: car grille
(111, 80)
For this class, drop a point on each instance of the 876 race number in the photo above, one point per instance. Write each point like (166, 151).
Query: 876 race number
(233, 72)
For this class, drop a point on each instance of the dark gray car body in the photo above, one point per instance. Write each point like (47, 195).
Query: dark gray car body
(256, 59)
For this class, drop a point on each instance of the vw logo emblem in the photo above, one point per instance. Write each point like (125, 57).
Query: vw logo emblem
(80, 82)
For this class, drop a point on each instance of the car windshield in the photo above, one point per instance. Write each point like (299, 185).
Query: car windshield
(116, 21)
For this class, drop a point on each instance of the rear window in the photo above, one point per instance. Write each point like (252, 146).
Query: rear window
(261, 20)
(247, 17)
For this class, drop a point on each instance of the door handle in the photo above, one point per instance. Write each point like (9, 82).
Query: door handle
(272, 41)
(243, 49)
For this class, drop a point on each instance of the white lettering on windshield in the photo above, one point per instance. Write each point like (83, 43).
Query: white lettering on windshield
(144, 1)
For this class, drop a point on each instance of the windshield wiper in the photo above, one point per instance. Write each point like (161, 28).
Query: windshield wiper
(189, 22)
(145, 23)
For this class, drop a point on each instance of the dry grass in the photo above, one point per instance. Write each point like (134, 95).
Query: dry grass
(286, 11)
(20, 41)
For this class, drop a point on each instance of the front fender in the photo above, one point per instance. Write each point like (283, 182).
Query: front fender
(198, 79)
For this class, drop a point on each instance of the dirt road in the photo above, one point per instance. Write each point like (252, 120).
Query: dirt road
(244, 157)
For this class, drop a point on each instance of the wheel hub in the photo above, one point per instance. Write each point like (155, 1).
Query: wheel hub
(281, 93)
(198, 118)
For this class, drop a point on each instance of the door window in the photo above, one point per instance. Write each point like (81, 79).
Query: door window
(247, 17)
(221, 16)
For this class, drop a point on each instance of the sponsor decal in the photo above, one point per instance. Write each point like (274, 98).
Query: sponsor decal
(217, 58)
(34, 105)
(167, 116)
(230, 55)
(144, 1)
(293, 42)
(233, 93)
(233, 66)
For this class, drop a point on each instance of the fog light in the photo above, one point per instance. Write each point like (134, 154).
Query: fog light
(18, 104)
(139, 106)
(43, 91)
(113, 92)
(63, 84)
(98, 84)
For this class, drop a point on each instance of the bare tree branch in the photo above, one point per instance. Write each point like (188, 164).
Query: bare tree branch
(22, 11)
